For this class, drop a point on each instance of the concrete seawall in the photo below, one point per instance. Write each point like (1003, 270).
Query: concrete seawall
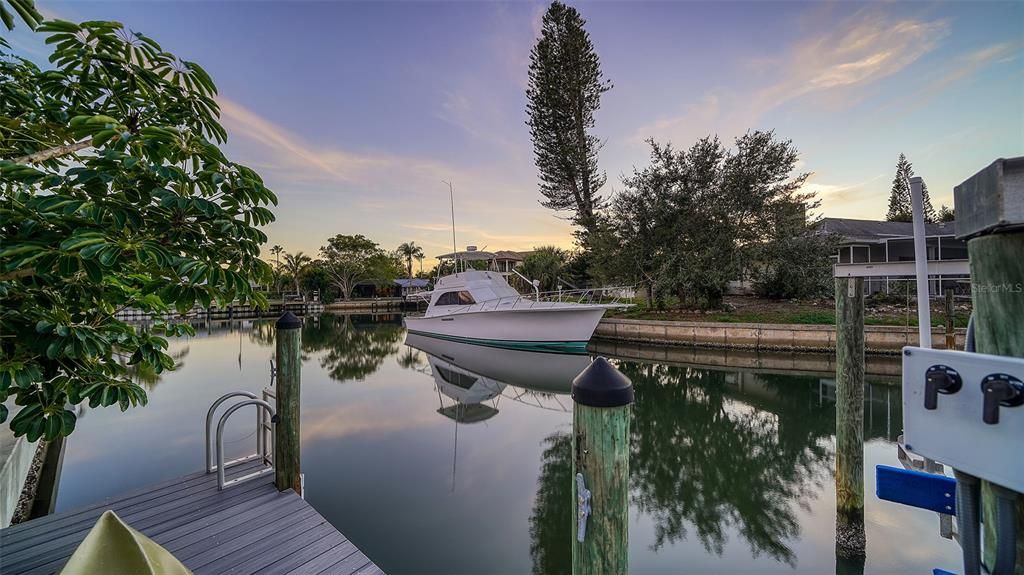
(759, 336)
(879, 368)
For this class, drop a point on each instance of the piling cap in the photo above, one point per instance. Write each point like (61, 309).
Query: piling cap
(288, 320)
(601, 385)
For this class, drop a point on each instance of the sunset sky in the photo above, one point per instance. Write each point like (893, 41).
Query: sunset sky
(354, 113)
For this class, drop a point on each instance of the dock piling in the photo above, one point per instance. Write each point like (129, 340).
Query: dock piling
(850, 539)
(287, 466)
(603, 399)
(990, 215)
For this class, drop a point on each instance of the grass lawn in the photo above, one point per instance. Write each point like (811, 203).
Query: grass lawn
(819, 312)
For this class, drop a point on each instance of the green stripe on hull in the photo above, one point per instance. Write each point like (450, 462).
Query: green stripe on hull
(555, 346)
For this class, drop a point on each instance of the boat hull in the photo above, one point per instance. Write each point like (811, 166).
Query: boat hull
(554, 329)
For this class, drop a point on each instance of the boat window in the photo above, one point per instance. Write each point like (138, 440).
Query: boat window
(455, 298)
(465, 381)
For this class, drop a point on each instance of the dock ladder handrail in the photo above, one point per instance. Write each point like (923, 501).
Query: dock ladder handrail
(264, 452)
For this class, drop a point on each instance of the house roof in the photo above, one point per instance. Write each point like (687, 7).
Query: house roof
(412, 283)
(874, 231)
(508, 255)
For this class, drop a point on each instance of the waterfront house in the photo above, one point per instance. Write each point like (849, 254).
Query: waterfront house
(886, 245)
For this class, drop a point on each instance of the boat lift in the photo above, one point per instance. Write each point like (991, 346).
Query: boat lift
(963, 409)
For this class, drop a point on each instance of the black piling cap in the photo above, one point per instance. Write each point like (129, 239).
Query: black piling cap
(601, 385)
(288, 320)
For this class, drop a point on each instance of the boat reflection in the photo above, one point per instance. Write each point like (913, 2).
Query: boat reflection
(475, 377)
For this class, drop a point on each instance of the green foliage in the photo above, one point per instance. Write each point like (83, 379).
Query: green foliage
(314, 279)
(946, 214)
(694, 220)
(564, 92)
(410, 251)
(293, 265)
(796, 261)
(348, 260)
(900, 204)
(545, 264)
(25, 9)
(113, 197)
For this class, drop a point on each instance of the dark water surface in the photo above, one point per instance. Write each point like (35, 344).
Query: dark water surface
(456, 459)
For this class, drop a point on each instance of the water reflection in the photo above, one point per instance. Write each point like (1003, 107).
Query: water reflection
(353, 347)
(475, 378)
(726, 463)
(718, 451)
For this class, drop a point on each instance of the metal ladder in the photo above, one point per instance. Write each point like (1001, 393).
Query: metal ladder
(266, 417)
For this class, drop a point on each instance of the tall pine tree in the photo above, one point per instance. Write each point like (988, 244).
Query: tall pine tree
(564, 91)
(900, 205)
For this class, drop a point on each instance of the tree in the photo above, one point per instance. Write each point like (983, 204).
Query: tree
(293, 266)
(408, 251)
(349, 260)
(795, 262)
(946, 214)
(115, 195)
(26, 10)
(545, 265)
(695, 220)
(277, 251)
(564, 92)
(420, 257)
(900, 204)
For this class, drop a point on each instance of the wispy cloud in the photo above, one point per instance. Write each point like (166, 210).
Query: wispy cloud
(832, 66)
(382, 194)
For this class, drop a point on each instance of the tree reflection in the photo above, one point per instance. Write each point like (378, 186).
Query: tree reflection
(551, 519)
(354, 347)
(712, 452)
(702, 459)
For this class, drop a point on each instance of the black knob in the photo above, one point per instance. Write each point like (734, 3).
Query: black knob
(1000, 389)
(940, 379)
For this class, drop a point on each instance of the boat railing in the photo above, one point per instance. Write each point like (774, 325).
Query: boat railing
(611, 295)
(602, 296)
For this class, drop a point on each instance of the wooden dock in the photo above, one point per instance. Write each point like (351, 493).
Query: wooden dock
(249, 528)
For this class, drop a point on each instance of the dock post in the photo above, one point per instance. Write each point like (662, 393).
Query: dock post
(850, 541)
(287, 468)
(603, 400)
(990, 217)
(950, 330)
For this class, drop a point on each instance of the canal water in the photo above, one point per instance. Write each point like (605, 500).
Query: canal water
(438, 457)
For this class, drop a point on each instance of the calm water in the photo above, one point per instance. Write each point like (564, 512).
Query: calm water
(455, 459)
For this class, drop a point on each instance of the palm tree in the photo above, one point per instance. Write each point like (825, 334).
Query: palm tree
(276, 250)
(294, 264)
(420, 257)
(409, 250)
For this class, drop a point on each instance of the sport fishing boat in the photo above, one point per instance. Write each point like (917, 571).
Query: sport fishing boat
(480, 307)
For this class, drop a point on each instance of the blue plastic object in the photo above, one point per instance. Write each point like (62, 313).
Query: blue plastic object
(942, 572)
(917, 489)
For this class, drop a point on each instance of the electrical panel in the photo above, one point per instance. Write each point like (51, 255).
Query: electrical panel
(966, 410)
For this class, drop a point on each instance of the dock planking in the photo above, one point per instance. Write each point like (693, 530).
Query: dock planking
(250, 528)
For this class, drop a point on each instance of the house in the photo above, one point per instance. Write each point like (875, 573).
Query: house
(409, 286)
(507, 260)
(889, 244)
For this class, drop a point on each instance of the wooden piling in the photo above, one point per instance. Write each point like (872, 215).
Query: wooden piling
(990, 216)
(998, 276)
(850, 540)
(287, 473)
(603, 399)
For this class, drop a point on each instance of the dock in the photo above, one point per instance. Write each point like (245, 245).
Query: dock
(248, 528)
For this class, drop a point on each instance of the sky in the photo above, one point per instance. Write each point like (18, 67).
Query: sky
(356, 113)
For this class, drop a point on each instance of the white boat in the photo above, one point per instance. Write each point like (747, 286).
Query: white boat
(480, 307)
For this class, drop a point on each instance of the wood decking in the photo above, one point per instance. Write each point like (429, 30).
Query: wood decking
(249, 528)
